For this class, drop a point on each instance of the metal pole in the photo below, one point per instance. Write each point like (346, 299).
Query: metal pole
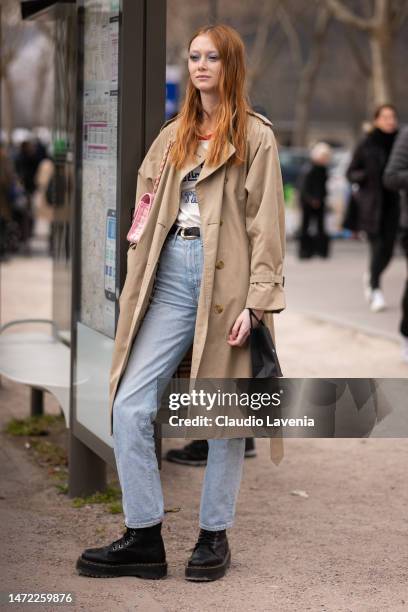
(1, 67)
(1, 92)
(37, 402)
(87, 470)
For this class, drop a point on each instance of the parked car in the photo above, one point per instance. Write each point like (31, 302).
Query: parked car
(292, 160)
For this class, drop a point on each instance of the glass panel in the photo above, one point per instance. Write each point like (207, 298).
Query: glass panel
(94, 354)
(63, 182)
(99, 163)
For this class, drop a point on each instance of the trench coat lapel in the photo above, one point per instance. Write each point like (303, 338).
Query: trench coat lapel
(207, 170)
(169, 209)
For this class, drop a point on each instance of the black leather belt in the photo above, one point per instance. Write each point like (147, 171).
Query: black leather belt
(185, 232)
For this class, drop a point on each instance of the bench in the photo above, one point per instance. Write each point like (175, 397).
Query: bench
(38, 360)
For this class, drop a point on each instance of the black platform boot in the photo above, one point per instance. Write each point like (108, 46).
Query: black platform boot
(210, 558)
(196, 452)
(139, 552)
(193, 453)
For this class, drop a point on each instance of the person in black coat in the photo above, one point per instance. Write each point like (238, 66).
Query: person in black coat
(26, 164)
(378, 207)
(396, 177)
(313, 193)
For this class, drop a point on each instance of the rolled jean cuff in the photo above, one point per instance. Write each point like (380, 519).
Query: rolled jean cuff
(145, 524)
(218, 527)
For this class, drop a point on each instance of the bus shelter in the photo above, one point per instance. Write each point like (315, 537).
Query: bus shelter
(110, 94)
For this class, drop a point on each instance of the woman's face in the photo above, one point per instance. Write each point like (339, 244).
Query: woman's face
(387, 121)
(204, 64)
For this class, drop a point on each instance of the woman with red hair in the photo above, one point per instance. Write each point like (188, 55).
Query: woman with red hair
(212, 248)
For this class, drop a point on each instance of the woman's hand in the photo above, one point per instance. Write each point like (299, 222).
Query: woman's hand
(242, 327)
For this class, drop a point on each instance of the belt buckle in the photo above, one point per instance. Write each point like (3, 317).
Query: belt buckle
(183, 235)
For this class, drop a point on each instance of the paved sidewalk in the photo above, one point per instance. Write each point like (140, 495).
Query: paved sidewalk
(332, 289)
(342, 549)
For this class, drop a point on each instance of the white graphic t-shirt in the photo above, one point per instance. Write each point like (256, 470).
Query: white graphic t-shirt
(189, 212)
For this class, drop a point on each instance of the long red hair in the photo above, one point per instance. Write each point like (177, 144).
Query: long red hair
(231, 114)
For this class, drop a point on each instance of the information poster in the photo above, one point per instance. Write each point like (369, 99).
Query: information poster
(99, 156)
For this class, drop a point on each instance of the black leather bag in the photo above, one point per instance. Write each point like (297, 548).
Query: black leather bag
(265, 363)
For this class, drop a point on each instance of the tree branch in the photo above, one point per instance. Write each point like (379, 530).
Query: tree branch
(346, 16)
(292, 36)
(309, 75)
(399, 14)
(357, 53)
(261, 39)
(382, 11)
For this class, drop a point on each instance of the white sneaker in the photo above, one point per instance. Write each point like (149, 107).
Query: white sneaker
(368, 292)
(377, 301)
(405, 348)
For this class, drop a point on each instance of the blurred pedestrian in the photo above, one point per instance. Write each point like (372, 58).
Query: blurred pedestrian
(26, 163)
(42, 206)
(313, 193)
(6, 186)
(350, 221)
(43, 203)
(378, 206)
(396, 177)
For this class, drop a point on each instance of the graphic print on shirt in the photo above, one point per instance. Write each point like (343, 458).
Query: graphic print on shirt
(188, 192)
(189, 212)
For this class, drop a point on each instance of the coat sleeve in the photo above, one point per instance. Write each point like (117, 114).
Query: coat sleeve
(396, 172)
(356, 172)
(265, 226)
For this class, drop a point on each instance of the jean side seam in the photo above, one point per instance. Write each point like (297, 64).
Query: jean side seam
(149, 423)
(229, 509)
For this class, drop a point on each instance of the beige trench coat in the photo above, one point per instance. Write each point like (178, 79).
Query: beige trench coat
(243, 232)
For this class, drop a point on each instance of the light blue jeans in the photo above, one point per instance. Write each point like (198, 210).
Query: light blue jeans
(165, 334)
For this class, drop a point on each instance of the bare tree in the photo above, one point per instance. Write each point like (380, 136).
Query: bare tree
(281, 17)
(259, 54)
(381, 27)
(308, 76)
(11, 37)
(44, 65)
(13, 32)
(292, 36)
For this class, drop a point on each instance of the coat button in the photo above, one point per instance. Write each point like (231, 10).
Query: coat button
(221, 221)
(219, 265)
(226, 179)
(218, 308)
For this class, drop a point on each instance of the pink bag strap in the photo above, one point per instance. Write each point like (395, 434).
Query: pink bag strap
(163, 163)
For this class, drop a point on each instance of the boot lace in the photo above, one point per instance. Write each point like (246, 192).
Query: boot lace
(207, 538)
(121, 542)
